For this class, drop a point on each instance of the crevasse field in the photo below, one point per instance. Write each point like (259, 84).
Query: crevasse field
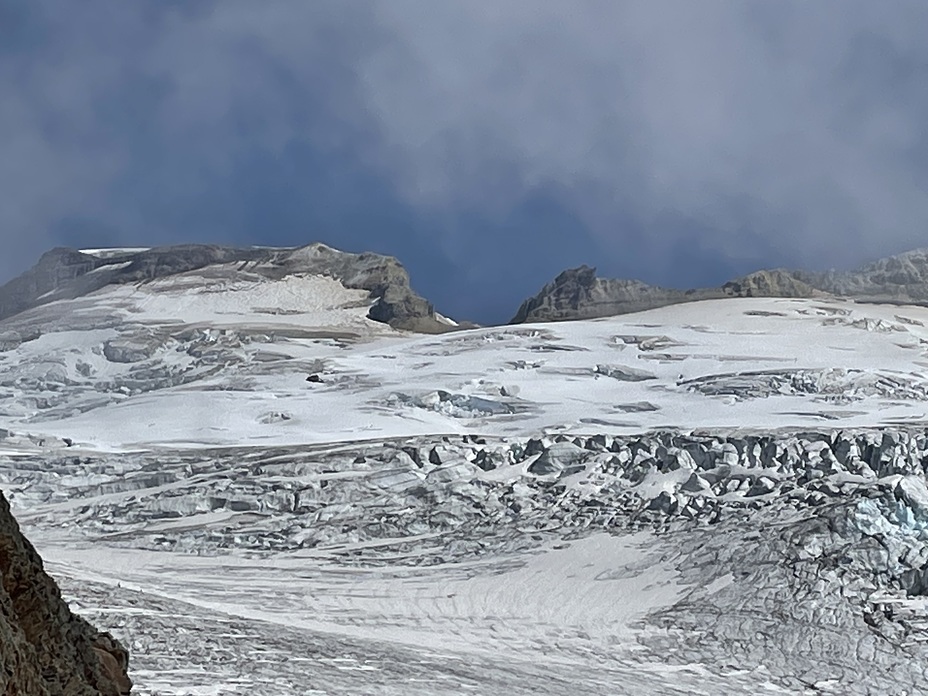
(724, 497)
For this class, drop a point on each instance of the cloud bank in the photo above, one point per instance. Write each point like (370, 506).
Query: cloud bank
(487, 144)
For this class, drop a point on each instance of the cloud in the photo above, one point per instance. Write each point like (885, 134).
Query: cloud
(120, 119)
(487, 144)
(790, 125)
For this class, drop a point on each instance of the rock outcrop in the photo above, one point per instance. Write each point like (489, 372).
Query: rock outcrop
(578, 294)
(45, 649)
(382, 276)
(776, 283)
(66, 274)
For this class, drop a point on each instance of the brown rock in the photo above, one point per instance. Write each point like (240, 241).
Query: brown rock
(45, 650)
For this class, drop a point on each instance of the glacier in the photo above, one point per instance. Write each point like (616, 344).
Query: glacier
(260, 490)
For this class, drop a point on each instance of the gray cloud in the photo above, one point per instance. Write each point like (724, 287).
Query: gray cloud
(674, 141)
(796, 125)
(115, 113)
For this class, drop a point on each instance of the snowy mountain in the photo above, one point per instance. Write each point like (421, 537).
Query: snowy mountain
(68, 274)
(260, 489)
(578, 294)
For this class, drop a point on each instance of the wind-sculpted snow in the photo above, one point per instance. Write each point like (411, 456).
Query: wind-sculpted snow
(661, 563)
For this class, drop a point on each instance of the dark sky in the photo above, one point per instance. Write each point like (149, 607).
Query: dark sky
(488, 144)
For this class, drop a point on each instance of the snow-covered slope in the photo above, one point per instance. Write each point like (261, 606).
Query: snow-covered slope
(263, 491)
(197, 361)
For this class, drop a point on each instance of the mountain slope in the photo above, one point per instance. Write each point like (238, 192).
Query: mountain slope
(901, 279)
(234, 359)
(579, 294)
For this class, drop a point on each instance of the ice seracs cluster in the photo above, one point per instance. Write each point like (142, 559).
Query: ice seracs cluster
(794, 537)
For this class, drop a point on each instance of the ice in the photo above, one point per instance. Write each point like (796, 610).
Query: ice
(409, 553)
(454, 405)
(111, 252)
(262, 491)
(377, 382)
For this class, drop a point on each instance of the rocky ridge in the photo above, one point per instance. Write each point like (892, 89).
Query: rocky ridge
(67, 274)
(45, 650)
(578, 294)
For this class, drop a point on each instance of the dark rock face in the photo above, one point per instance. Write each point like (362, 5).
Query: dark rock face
(46, 650)
(578, 294)
(67, 274)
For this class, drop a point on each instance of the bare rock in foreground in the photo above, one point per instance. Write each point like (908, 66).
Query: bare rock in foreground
(45, 650)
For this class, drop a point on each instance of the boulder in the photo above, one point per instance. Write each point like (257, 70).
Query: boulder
(127, 351)
(559, 457)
